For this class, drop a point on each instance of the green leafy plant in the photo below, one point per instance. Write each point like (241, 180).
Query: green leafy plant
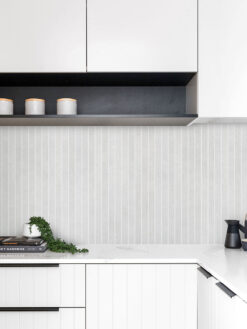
(53, 244)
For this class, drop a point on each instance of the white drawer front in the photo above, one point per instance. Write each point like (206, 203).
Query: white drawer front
(63, 319)
(61, 286)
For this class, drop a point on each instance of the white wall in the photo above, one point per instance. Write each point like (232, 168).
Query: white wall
(124, 184)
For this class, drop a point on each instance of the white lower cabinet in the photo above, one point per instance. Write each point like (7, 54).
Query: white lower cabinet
(240, 312)
(64, 318)
(218, 307)
(141, 296)
(206, 300)
(42, 285)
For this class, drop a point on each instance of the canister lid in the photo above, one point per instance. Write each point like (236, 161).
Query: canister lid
(66, 99)
(34, 99)
(6, 99)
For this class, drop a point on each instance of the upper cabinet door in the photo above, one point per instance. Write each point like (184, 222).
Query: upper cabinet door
(142, 35)
(222, 77)
(43, 35)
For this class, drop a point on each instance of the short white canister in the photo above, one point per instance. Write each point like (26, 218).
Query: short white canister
(66, 106)
(6, 106)
(34, 106)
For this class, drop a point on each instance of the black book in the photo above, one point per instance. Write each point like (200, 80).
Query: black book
(11, 248)
(20, 241)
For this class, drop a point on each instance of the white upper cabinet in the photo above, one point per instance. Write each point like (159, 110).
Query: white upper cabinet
(43, 35)
(222, 60)
(142, 35)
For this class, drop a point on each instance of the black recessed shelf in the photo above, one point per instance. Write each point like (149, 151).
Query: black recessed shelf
(98, 120)
(104, 99)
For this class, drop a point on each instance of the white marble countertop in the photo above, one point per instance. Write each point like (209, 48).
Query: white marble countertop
(228, 266)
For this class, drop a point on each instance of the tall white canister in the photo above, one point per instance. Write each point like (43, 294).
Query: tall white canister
(34, 106)
(6, 106)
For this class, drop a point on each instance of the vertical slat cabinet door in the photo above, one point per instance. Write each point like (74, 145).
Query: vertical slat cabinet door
(43, 36)
(142, 35)
(72, 288)
(213, 311)
(203, 291)
(222, 53)
(224, 310)
(183, 296)
(240, 311)
(141, 296)
(29, 286)
(206, 292)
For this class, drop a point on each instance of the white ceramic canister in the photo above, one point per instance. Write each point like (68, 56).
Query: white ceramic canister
(31, 231)
(34, 106)
(6, 106)
(66, 106)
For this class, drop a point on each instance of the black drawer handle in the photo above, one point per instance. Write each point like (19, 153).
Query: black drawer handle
(204, 272)
(226, 290)
(29, 309)
(29, 265)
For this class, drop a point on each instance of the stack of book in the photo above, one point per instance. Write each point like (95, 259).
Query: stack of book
(13, 244)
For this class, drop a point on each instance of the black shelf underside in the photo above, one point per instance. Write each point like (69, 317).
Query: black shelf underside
(96, 79)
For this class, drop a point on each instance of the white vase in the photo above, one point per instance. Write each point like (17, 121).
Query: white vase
(34, 106)
(31, 231)
(66, 106)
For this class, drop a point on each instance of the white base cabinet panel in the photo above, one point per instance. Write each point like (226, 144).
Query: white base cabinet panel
(43, 36)
(65, 318)
(206, 302)
(216, 309)
(240, 312)
(61, 286)
(141, 296)
(142, 35)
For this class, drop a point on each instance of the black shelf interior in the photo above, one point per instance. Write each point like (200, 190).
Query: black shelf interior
(104, 100)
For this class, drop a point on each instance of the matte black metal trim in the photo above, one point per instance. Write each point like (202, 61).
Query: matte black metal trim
(204, 272)
(29, 265)
(29, 309)
(226, 290)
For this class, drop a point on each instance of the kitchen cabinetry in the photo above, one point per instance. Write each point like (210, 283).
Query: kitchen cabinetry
(63, 318)
(222, 53)
(141, 296)
(35, 296)
(46, 285)
(218, 307)
(206, 300)
(142, 35)
(43, 36)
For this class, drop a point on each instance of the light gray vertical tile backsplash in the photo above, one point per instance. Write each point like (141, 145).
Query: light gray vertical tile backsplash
(124, 184)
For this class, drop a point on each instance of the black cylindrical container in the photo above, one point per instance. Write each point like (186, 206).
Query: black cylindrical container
(233, 240)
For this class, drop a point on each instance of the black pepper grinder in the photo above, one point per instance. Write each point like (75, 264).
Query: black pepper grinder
(233, 240)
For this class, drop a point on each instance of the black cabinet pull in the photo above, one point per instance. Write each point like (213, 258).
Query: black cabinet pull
(204, 272)
(226, 290)
(29, 309)
(29, 265)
